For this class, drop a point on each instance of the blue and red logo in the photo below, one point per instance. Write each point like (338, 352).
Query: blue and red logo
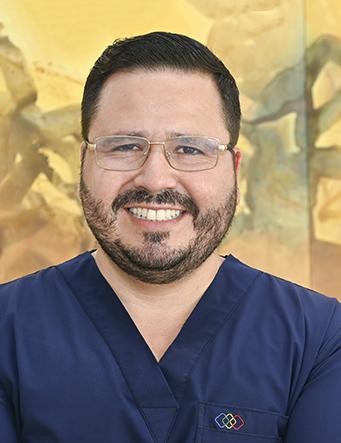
(229, 421)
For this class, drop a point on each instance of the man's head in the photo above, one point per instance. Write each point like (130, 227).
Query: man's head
(157, 221)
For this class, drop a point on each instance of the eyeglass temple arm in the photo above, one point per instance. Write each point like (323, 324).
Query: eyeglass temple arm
(90, 146)
(227, 147)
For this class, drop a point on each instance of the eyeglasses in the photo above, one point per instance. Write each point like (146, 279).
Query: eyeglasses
(185, 153)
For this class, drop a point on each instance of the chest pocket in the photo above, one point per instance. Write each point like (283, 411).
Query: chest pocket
(219, 423)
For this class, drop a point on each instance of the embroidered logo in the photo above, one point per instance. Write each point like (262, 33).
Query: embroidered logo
(230, 421)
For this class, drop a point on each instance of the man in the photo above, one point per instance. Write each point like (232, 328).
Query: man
(154, 337)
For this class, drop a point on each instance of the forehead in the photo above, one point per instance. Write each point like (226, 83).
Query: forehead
(168, 99)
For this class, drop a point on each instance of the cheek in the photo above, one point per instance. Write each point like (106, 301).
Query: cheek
(211, 191)
(103, 185)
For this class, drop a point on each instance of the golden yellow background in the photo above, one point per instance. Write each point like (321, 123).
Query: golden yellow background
(286, 56)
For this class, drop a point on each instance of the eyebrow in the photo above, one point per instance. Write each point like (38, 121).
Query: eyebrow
(142, 134)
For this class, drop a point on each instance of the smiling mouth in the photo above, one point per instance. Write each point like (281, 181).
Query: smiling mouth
(155, 214)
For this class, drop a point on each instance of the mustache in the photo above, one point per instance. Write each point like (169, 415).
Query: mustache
(163, 197)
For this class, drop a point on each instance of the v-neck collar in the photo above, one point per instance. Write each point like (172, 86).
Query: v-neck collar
(156, 385)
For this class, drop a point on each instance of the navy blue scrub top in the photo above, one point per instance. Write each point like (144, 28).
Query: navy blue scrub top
(257, 361)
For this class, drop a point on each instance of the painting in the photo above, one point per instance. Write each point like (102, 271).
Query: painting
(286, 58)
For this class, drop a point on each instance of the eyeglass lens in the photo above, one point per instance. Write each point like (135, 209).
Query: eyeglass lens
(183, 153)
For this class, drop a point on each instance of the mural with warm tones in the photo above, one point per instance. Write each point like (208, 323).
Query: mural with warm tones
(286, 57)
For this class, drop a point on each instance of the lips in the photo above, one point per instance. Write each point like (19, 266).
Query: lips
(165, 200)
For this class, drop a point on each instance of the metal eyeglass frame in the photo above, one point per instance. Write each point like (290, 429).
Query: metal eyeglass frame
(221, 148)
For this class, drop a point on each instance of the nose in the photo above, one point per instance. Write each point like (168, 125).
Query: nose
(156, 174)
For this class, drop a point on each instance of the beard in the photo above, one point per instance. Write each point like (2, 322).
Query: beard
(155, 262)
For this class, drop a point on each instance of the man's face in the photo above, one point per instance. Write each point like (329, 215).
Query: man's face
(158, 105)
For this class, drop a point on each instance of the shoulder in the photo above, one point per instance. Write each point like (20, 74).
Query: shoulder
(290, 294)
(14, 293)
(313, 317)
(305, 302)
(32, 289)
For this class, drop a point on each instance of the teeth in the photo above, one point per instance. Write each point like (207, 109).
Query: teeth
(160, 215)
(152, 214)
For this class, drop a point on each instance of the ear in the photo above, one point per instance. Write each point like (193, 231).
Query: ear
(82, 153)
(237, 162)
(237, 158)
(83, 148)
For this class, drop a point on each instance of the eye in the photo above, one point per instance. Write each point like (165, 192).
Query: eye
(188, 150)
(128, 147)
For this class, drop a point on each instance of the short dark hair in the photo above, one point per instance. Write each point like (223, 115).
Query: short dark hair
(161, 50)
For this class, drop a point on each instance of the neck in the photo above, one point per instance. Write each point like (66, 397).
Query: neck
(178, 294)
(158, 311)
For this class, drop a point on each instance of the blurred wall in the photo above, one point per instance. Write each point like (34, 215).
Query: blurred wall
(286, 57)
